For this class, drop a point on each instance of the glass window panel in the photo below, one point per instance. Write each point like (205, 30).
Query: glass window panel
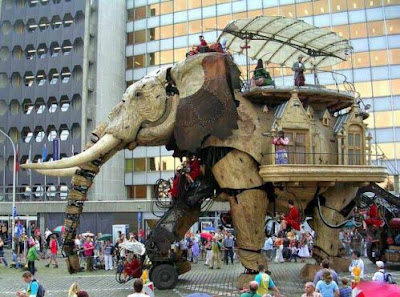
(166, 57)
(209, 24)
(194, 26)
(223, 1)
(391, 2)
(376, 28)
(355, 4)
(254, 13)
(166, 7)
(166, 31)
(153, 10)
(338, 5)
(194, 4)
(358, 30)
(208, 2)
(304, 9)
(364, 88)
(350, 139)
(129, 62)
(223, 20)
(140, 36)
(342, 31)
(361, 60)
(379, 58)
(139, 164)
(383, 119)
(373, 3)
(241, 15)
(288, 11)
(393, 26)
(140, 13)
(169, 163)
(151, 60)
(180, 29)
(140, 192)
(139, 61)
(180, 54)
(357, 139)
(180, 5)
(151, 34)
(395, 86)
(131, 14)
(128, 165)
(321, 7)
(129, 39)
(381, 88)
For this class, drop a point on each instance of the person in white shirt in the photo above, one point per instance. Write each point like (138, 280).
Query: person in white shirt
(357, 261)
(379, 276)
(47, 233)
(138, 287)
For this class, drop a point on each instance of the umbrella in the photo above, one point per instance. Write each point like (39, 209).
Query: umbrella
(206, 235)
(87, 234)
(105, 237)
(134, 246)
(59, 229)
(209, 229)
(370, 289)
(48, 237)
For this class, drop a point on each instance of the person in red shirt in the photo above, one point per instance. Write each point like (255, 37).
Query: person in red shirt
(201, 48)
(88, 248)
(132, 269)
(53, 251)
(373, 217)
(292, 218)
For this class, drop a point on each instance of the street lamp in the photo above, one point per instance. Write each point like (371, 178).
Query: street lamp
(13, 201)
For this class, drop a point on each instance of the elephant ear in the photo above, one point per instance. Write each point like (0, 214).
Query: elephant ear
(211, 110)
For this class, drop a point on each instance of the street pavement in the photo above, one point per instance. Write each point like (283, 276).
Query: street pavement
(217, 282)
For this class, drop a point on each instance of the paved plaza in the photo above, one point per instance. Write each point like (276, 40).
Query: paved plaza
(215, 282)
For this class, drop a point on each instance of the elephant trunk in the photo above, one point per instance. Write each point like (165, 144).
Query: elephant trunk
(100, 149)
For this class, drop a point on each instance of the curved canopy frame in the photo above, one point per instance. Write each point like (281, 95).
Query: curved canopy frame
(280, 40)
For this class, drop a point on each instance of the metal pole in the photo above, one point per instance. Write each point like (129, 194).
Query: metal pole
(13, 195)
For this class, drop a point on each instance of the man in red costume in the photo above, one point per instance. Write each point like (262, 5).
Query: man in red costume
(292, 218)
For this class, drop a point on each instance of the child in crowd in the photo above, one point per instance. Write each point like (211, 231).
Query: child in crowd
(345, 290)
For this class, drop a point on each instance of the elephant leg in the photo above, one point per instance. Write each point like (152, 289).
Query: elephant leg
(327, 244)
(237, 172)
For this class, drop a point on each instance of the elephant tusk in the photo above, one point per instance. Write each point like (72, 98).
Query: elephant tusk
(57, 172)
(101, 148)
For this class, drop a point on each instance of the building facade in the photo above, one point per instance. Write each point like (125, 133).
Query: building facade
(160, 33)
(61, 71)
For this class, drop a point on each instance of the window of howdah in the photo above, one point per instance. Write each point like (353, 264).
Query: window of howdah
(355, 145)
(297, 147)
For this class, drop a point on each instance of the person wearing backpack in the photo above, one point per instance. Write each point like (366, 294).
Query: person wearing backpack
(33, 289)
(381, 275)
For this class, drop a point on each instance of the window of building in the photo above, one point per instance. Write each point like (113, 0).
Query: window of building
(165, 32)
(139, 13)
(297, 147)
(338, 5)
(30, 52)
(66, 47)
(394, 56)
(29, 78)
(139, 164)
(129, 62)
(379, 58)
(355, 145)
(355, 4)
(166, 7)
(304, 9)
(195, 27)
(129, 38)
(153, 10)
(53, 76)
(137, 192)
(65, 75)
(166, 57)
(342, 31)
(321, 7)
(43, 23)
(376, 28)
(52, 104)
(40, 105)
(361, 60)
(41, 78)
(393, 26)
(180, 5)
(223, 20)
(128, 165)
(139, 61)
(27, 106)
(139, 36)
(68, 20)
(64, 103)
(180, 29)
(42, 50)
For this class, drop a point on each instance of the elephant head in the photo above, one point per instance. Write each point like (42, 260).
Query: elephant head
(146, 115)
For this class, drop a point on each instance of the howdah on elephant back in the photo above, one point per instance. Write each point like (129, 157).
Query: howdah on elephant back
(208, 115)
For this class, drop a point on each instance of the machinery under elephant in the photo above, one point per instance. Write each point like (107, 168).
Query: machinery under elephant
(210, 117)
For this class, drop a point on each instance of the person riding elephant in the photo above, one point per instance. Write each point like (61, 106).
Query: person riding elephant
(261, 76)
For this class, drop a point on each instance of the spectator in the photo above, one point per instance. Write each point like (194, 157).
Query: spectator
(345, 290)
(268, 248)
(228, 245)
(88, 248)
(138, 288)
(379, 276)
(309, 290)
(261, 76)
(73, 290)
(108, 255)
(356, 267)
(32, 287)
(253, 286)
(32, 256)
(325, 265)
(82, 294)
(327, 286)
(264, 282)
(215, 258)
(2, 259)
(53, 251)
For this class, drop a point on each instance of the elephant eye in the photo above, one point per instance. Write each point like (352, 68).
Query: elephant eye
(138, 94)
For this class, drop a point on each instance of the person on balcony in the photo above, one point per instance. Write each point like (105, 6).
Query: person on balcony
(261, 76)
(280, 143)
(292, 218)
(298, 68)
(203, 46)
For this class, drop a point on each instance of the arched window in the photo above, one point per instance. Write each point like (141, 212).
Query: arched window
(355, 145)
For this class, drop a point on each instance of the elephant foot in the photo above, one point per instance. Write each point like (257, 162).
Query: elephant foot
(337, 262)
(73, 264)
(251, 259)
(243, 280)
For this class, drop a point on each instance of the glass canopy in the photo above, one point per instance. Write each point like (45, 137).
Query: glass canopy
(280, 40)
